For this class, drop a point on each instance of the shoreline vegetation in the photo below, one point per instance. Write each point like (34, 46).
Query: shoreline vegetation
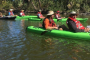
(82, 7)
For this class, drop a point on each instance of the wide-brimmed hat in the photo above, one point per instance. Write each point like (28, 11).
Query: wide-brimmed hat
(58, 11)
(22, 10)
(73, 12)
(40, 10)
(50, 13)
(11, 9)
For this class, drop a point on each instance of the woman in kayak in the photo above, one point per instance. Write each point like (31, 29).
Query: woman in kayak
(22, 13)
(48, 22)
(74, 25)
(58, 16)
(40, 15)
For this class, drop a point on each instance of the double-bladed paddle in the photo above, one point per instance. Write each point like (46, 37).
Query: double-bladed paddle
(45, 31)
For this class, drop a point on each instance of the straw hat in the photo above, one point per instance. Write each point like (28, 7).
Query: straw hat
(11, 9)
(22, 10)
(50, 13)
(40, 10)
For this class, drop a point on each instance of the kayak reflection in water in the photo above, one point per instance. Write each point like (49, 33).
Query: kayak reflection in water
(48, 22)
(74, 25)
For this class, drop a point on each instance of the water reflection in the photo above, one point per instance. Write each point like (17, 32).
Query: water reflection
(11, 39)
(18, 44)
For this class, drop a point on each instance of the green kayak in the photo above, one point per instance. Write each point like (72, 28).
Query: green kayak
(62, 20)
(59, 33)
(24, 17)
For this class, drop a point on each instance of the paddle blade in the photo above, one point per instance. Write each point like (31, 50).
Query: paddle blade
(45, 32)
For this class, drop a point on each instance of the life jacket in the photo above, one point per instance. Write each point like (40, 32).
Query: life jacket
(78, 24)
(11, 13)
(58, 16)
(40, 14)
(22, 13)
(51, 23)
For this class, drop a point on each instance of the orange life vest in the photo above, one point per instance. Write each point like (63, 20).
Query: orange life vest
(51, 23)
(78, 24)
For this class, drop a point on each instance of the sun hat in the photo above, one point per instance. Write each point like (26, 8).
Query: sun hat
(50, 13)
(22, 10)
(11, 9)
(40, 10)
(73, 12)
(58, 11)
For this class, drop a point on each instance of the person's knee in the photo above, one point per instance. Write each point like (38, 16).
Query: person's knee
(60, 29)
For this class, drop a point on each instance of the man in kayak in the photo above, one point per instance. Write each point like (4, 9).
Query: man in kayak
(74, 25)
(22, 13)
(58, 16)
(48, 22)
(40, 15)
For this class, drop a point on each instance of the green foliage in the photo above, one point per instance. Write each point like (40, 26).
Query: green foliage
(6, 5)
(61, 5)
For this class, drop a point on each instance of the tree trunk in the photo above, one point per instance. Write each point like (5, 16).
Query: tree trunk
(39, 4)
(28, 3)
(34, 6)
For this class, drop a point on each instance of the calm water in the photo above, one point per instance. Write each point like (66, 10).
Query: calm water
(18, 44)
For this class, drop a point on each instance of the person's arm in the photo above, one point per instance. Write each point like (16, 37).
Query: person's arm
(73, 26)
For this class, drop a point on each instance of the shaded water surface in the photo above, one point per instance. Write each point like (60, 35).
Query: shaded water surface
(18, 44)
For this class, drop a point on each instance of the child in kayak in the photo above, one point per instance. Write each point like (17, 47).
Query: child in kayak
(40, 15)
(74, 25)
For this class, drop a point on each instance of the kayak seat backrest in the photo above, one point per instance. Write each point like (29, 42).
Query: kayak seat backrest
(64, 27)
